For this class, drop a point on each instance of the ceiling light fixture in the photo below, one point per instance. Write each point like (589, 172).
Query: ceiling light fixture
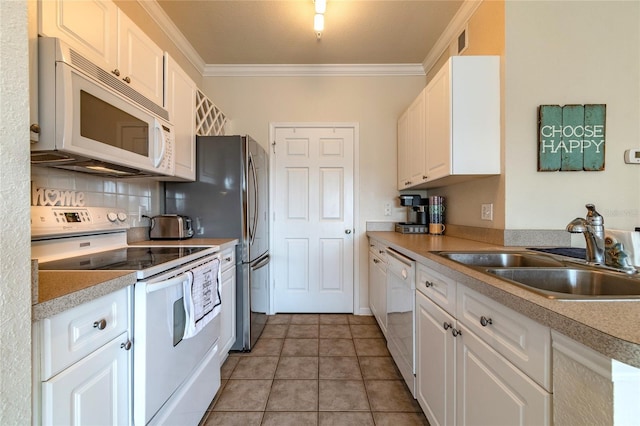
(321, 6)
(318, 19)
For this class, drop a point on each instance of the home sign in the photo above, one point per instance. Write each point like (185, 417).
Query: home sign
(56, 197)
(571, 137)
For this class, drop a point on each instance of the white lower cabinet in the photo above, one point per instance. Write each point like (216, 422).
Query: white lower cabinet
(82, 364)
(94, 391)
(435, 362)
(228, 296)
(487, 365)
(492, 391)
(378, 284)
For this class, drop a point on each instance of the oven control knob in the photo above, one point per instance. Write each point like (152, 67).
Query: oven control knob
(122, 216)
(112, 216)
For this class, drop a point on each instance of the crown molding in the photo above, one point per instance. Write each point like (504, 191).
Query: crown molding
(172, 31)
(284, 70)
(297, 70)
(457, 24)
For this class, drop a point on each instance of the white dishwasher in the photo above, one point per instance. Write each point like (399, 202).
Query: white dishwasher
(401, 286)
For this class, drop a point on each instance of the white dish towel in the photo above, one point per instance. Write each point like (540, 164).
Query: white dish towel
(201, 297)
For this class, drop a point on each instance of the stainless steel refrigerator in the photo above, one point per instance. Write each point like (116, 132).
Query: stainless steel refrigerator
(230, 199)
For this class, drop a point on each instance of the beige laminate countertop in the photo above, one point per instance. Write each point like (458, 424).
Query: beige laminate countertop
(56, 291)
(609, 327)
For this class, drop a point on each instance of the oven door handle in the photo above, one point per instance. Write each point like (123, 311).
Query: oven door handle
(161, 285)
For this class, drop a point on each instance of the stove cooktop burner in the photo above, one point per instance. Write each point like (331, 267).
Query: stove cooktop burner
(123, 259)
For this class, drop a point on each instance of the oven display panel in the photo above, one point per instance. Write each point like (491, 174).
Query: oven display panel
(72, 217)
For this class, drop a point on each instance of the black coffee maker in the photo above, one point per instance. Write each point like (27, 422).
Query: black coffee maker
(417, 214)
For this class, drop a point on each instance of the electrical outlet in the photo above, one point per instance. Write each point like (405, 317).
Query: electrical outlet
(486, 212)
(387, 209)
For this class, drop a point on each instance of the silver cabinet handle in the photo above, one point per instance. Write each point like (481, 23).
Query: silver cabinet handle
(347, 231)
(127, 79)
(484, 321)
(101, 324)
(126, 345)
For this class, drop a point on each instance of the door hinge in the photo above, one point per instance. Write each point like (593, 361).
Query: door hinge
(274, 146)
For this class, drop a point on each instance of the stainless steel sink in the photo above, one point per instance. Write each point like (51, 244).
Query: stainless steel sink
(488, 259)
(572, 283)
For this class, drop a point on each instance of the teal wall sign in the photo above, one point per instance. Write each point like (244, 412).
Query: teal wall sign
(571, 137)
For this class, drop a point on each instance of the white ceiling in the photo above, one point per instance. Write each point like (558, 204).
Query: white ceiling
(270, 32)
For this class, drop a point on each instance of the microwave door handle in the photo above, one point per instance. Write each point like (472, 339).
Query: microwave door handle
(161, 285)
(158, 136)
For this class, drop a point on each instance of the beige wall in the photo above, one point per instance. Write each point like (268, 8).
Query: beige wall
(373, 102)
(562, 52)
(15, 266)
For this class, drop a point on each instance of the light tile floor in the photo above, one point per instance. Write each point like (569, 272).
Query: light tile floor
(314, 369)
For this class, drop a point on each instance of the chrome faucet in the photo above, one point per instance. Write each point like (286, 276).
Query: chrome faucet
(593, 229)
(600, 250)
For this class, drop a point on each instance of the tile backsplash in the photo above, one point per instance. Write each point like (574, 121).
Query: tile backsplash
(135, 195)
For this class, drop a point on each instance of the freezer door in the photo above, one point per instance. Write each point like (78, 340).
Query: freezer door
(257, 200)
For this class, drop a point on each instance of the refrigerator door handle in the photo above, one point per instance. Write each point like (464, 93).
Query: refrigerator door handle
(261, 262)
(252, 228)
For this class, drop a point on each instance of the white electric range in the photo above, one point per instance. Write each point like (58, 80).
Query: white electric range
(175, 375)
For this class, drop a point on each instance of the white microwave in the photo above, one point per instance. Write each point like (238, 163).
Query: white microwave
(91, 121)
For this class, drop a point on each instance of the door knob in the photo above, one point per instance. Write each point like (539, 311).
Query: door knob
(347, 231)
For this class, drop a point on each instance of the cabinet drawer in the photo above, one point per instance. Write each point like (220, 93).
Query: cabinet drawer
(437, 287)
(228, 258)
(74, 334)
(522, 341)
(379, 249)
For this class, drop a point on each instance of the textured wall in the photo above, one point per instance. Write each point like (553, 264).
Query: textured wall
(580, 395)
(15, 269)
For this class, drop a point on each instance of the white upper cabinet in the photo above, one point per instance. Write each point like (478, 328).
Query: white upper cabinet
(411, 138)
(461, 135)
(181, 104)
(140, 60)
(91, 26)
(106, 36)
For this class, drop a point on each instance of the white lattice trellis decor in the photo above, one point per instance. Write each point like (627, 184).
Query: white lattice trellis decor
(210, 120)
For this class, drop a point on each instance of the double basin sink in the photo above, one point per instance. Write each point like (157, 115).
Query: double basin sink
(554, 277)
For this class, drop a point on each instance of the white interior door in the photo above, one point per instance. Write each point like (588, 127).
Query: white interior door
(313, 219)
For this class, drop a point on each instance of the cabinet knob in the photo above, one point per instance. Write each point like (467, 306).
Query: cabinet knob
(446, 325)
(347, 231)
(428, 284)
(101, 324)
(456, 332)
(126, 345)
(425, 177)
(227, 259)
(376, 261)
(484, 321)
(127, 80)
(116, 72)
